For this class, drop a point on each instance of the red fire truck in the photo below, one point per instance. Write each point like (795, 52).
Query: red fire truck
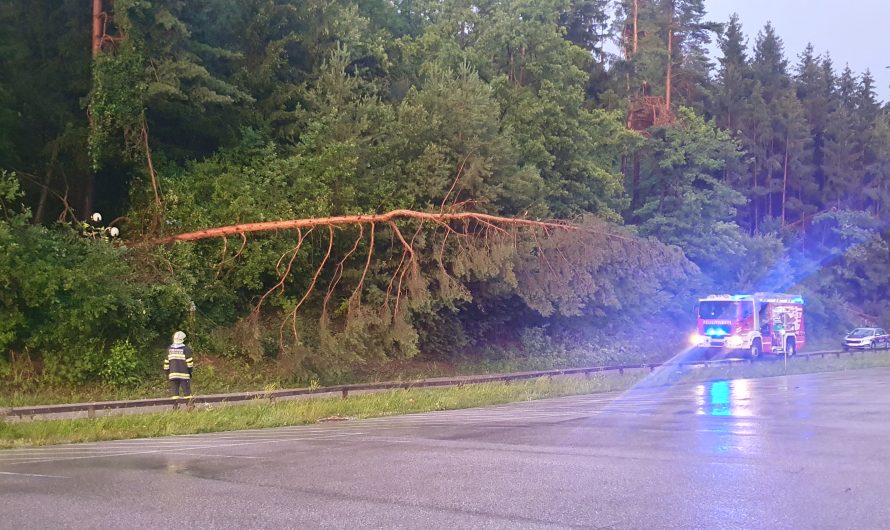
(753, 323)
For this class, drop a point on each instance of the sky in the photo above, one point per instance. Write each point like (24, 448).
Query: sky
(854, 32)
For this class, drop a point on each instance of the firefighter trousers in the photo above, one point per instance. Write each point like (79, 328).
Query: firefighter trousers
(181, 384)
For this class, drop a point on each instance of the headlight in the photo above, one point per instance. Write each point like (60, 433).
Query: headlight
(734, 342)
(696, 340)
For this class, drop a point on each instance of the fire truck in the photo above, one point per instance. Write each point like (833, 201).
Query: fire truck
(759, 323)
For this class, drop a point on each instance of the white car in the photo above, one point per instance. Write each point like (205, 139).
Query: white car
(862, 338)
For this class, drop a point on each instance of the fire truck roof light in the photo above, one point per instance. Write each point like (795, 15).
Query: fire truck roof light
(762, 297)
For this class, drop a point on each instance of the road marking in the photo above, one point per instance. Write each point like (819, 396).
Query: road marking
(179, 444)
(168, 450)
(216, 456)
(29, 475)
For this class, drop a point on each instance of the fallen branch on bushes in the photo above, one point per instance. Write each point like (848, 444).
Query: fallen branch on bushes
(346, 220)
(467, 230)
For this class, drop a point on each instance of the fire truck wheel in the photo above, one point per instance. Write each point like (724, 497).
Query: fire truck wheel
(754, 352)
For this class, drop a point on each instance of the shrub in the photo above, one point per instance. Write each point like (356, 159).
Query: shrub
(64, 299)
(121, 366)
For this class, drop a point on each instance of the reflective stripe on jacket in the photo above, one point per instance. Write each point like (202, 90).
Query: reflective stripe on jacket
(179, 362)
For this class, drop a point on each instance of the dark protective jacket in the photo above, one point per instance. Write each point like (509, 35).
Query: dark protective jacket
(179, 362)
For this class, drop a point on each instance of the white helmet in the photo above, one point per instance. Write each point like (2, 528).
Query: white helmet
(179, 337)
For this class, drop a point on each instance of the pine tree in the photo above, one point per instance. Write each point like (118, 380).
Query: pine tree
(877, 182)
(869, 125)
(769, 65)
(757, 134)
(843, 158)
(586, 25)
(687, 36)
(867, 105)
(847, 89)
(733, 76)
(814, 90)
(796, 167)
(641, 24)
(769, 69)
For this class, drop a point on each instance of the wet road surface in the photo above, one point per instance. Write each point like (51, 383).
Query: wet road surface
(809, 451)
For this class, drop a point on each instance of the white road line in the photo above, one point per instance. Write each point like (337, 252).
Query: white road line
(176, 443)
(488, 417)
(29, 475)
(220, 446)
(127, 447)
(216, 456)
(187, 442)
(18, 454)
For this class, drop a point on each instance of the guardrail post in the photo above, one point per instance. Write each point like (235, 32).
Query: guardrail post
(91, 411)
(621, 371)
(345, 393)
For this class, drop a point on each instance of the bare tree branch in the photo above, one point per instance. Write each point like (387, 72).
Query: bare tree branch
(343, 220)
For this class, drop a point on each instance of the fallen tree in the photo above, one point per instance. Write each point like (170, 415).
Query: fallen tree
(455, 244)
(468, 230)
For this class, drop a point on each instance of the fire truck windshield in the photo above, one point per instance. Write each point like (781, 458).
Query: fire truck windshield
(712, 309)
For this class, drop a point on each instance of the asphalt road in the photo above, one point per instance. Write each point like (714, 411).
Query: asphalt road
(798, 452)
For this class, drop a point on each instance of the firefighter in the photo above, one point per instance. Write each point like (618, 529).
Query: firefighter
(178, 366)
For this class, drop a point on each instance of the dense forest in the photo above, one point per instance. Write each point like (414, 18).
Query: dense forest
(625, 172)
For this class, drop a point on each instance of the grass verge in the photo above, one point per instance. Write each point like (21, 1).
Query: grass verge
(262, 414)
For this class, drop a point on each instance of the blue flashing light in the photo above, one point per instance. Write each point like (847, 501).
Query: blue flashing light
(715, 332)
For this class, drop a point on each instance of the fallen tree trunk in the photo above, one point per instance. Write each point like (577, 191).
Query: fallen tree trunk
(438, 218)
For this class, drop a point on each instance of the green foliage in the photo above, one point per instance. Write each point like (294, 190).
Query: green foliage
(12, 211)
(688, 203)
(121, 365)
(44, 75)
(117, 104)
(65, 299)
(854, 251)
(599, 272)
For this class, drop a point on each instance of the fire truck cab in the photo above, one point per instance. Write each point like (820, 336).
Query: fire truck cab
(756, 323)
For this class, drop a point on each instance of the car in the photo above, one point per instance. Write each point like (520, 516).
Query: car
(862, 338)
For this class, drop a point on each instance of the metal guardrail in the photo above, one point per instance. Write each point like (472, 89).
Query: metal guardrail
(344, 390)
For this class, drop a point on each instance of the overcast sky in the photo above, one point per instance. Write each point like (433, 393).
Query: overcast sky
(852, 31)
